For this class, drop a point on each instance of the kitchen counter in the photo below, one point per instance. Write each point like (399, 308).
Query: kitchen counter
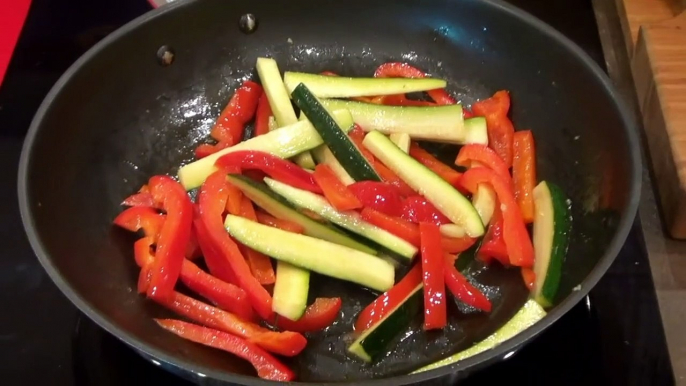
(667, 256)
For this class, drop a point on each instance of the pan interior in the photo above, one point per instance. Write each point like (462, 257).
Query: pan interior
(122, 118)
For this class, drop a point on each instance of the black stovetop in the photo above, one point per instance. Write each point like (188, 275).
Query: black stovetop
(614, 336)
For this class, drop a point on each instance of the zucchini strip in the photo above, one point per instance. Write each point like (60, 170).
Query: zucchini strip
(350, 220)
(345, 87)
(445, 197)
(430, 123)
(284, 143)
(313, 254)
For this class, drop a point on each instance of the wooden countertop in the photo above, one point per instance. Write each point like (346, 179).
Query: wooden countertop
(637, 69)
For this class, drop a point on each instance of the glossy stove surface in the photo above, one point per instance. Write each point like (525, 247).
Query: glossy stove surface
(613, 337)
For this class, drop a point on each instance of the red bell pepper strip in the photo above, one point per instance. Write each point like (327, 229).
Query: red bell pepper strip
(260, 265)
(410, 232)
(449, 174)
(404, 70)
(205, 149)
(381, 196)
(357, 136)
(266, 365)
(433, 266)
(140, 199)
(318, 315)
(417, 209)
(395, 225)
(264, 110)
(144, 259)
(524, 173)
(389, 300)
(225, 132)
(277, 168)
(500, 128)
(484, 155)
(285, 343)
(238, 112)
(529, 277)
(516, 237)
(224, 295)
(174, 236)
(146, 218)
(212, 201)
(456, 244)
(285, 225)
(462, 289)
(215, 261)
(335, 191)
(255, 175)
(234, 201)
(493, 246)
(494, 249)
(193, 248)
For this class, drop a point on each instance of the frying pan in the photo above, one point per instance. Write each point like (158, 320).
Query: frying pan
(120, 115)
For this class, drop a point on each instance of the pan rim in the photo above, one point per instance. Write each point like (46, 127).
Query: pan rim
(477, 361)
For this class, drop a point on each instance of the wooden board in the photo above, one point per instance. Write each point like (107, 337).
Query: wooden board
(635, 13)
(656, 40)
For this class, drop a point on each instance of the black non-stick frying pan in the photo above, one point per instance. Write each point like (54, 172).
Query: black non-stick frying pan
(120, 115)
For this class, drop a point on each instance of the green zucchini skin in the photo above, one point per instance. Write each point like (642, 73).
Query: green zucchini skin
(552, 226)
(313, 254)
(444, 196)
(350, 220)
(375, 340)
(336, 139)
(278, 207)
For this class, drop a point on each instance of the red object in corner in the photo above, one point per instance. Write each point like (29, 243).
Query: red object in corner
(12, 16)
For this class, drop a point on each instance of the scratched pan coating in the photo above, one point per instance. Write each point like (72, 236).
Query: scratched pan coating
(117, 117)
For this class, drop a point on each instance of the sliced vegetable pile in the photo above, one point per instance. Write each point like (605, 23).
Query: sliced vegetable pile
(339, 185)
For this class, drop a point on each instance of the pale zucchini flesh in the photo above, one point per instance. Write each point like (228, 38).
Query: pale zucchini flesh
(436, 190)
(290, 290)
(313, 254)
(278, 96)
(433, 123)
(277, 206)
(484, 201)
(283, 143)
(350, 220)
(324, 86)
(304, 160)
(476, 131)
(402, 140)
(452, 230)
(280, 102)
(272, 123)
